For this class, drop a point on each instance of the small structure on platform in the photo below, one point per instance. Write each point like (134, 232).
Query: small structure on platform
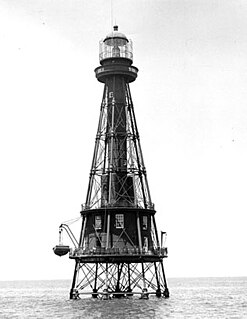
(119, 252)
(60, 249)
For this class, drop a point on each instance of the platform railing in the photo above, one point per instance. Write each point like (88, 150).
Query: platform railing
(118, 251)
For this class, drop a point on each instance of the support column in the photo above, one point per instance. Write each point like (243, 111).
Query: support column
(158, 291)
(156, 232)
(72, 294)
(139, 231)
(166, 291)
(94, 294)
(84, 222)
(129, 281)
(144, 294)
(106, 295)
(108, 230)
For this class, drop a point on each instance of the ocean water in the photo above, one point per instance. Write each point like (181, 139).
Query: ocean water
(190, 298)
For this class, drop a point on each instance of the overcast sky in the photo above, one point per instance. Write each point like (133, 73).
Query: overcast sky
(190, 103)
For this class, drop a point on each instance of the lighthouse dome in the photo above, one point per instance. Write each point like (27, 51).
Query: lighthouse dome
(116, 35)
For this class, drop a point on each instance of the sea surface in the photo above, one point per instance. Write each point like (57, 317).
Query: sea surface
(189, 298)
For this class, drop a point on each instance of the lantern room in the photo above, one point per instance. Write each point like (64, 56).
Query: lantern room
(115, 45)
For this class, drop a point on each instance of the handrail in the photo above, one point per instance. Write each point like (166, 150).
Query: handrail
(102, 251)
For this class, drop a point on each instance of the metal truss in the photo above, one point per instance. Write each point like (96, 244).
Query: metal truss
(107, 280)
(111, 148)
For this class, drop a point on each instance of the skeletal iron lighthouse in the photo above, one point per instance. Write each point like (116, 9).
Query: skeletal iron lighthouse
(119, 252)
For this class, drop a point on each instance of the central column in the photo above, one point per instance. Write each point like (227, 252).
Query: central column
(116, 140)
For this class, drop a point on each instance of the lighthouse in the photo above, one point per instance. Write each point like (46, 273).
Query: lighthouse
(119, 251)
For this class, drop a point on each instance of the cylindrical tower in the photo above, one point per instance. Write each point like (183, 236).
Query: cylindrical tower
(119, 247)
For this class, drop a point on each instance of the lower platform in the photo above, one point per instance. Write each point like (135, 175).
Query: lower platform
(114, 255)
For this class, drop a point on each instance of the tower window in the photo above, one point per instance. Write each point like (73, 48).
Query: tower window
(98, 222)
(119, 220)
(145, 244)
(144, 222)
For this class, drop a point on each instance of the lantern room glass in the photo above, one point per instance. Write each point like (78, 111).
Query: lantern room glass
(115, 47)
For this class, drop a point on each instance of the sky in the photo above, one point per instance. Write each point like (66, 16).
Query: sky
(190, 103)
